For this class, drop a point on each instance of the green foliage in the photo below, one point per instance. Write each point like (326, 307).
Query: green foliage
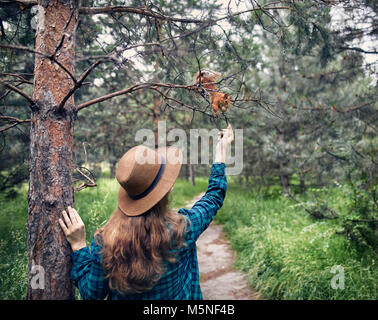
(13, 245)
(95, 205)
(289, 255)
(306, 102)
(360, 224)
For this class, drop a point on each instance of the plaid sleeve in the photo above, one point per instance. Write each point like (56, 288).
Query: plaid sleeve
(204, 210)
(87, 273)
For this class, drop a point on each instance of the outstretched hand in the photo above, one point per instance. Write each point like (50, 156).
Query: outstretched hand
(74, 229)
(225, 137)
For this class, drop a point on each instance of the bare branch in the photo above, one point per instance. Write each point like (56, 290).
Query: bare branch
(166, 97)
(358, 50)
(13, 122)
(19, 91)
(48, 56)
(92, 181)
(149, 13)
(79, 83)
(360, 106)
(136, 87)
(108, 96)
(24, 2)
(16, 75)
(85, 74)
(111, 56)
(8, 127)
(13, 119)
(261, 8)
(141, 11)
(22, 48)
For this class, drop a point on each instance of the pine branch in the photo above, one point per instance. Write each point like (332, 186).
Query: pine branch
(13, 122)
(357, 49)
(149, 13)
(79, 83)
(111, 56)
(166, 97)
(85, 74)
(19, 91)
(48, 56)
(108, 96)
(351, 109)
(334, 155)
(13, 119)
(22, 48)
(136, 87)
(23, 2)
(16, 75)
(8, 127)
(140, 11)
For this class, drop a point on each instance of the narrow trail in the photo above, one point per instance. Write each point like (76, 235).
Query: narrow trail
(219, 281)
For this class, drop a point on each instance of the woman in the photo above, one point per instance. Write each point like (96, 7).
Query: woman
(146, 251)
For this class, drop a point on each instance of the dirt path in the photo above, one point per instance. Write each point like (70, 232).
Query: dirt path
(219, 281)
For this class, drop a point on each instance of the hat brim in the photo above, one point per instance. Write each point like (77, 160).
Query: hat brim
(171, 171)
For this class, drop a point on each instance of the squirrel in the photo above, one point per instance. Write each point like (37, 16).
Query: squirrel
(219, 100)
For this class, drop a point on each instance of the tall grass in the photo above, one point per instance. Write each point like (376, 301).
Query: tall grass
(13, 245)
(289, 255)
(286, 253)
(94, 205)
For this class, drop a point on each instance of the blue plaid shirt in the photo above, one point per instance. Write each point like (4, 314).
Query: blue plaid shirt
(181, 278)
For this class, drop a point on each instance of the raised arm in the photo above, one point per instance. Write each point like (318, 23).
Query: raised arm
(204, 210)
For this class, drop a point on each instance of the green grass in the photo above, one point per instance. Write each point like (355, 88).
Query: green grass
(286, 254)
(94, 205)
(13, 245)
(289, 255)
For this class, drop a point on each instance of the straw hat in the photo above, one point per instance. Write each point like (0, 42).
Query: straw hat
(146, 176)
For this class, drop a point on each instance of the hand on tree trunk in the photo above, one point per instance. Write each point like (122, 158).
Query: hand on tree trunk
(74, 229)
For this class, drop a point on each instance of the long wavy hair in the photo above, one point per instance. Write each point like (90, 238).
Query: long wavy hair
(135, 248)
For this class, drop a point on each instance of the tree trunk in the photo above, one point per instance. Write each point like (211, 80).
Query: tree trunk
(155, 114)
(51, 146)
(319, 179)
(302, 184)
(113, 165)
(192, 175)
(285, 184)
(186, 172)
(284, 179)
(156, 107)
(283, 163)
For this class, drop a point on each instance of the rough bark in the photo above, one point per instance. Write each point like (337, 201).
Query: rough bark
(51, 135)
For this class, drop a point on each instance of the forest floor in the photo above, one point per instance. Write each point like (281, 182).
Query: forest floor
(219, 280)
